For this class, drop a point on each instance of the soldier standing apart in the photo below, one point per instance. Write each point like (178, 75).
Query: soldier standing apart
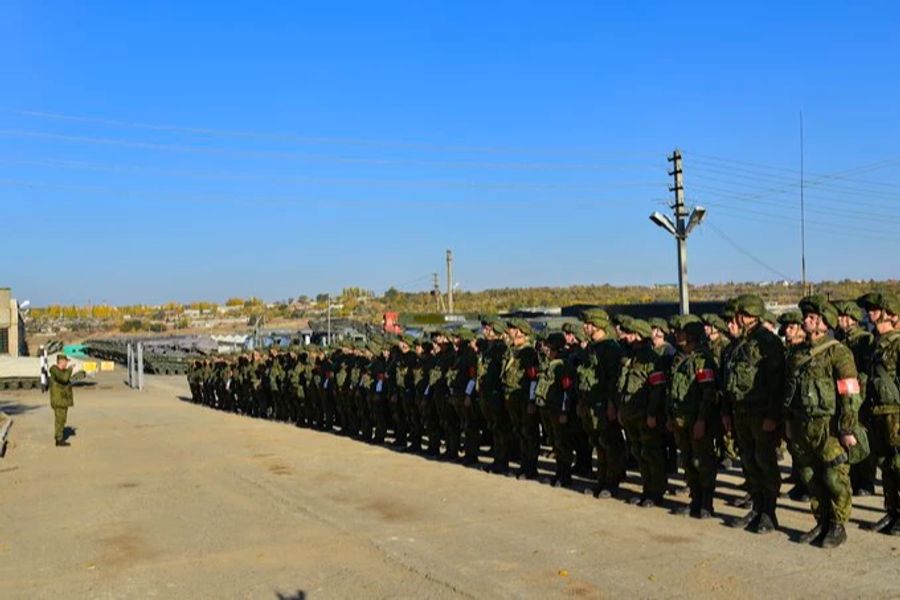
(822, 400)
(884, 400)
(60, 396)
(690, 404)
(754, 390)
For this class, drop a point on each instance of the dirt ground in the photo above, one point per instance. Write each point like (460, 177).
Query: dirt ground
(158, 497)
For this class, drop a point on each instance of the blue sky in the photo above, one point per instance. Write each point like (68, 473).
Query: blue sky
(199, 150)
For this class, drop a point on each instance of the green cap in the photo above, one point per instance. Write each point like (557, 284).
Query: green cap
(680, 321)
(818, 304)
(620, 319)
(497, 325)
(750, 304)
(597, 317)
(464, 334)
(638, 326)
(520, 324)
(769, 317)
(556, 340)
(730, 309)
(658, 323)
(575, 329)
(791, 317)
(879, 301)
(61, 356)
(714, 320)
(848, 308)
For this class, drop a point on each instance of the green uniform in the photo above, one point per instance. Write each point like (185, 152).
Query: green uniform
(554, 395)
(754, 386)
(61, 399)
(640, 394)
(490, 391)
(883, 391)
(596, 380)
(464, 389)
(822, 400)
(860, 343)
(519, 375)
(691, 398)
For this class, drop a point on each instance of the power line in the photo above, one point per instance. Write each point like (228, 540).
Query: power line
(746, 252)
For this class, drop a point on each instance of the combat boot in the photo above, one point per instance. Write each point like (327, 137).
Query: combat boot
(815, 534)
(706, 506)
(750, 520)
(691, 509)
(894, 529)
(836, 536)
(744, 501)
(606, 491)
(651, 501)
(798, 493)
(767, 522)
(884, 523)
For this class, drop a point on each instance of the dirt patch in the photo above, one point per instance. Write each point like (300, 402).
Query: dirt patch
(391, 510)
(280, 469)
(127, 485)
(665, 538)
(123, 550)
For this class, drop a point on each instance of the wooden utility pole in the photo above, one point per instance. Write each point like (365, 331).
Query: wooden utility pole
(438, 295)
(450, 282)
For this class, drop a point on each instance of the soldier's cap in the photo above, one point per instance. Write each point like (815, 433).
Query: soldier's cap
(730, 309)
(820, 305)
(61, 356)
(597, 317)
(465, 334)
(680, 321)
(638, 326)
(577, 329)
(791, 317)
(660, 324)
(621, 318)
(750, 304)
(848, 308)
(879, 301)
(714, 320)
(770, 317)
(520, 324)
(556, 340)
(497, 325)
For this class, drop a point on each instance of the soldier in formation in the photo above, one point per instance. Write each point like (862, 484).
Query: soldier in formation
(719, 388)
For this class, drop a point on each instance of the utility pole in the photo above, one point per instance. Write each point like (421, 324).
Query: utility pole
(329, 320)
(438, 295)
(450, 282)
(681, 228)
(802, 215)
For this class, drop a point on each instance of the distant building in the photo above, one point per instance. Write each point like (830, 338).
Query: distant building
(12, 325)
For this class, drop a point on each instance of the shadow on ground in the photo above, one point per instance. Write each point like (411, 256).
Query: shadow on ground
(298, 595)
(12, 408)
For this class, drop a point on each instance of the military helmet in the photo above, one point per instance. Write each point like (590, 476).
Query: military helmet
(497, 325)
(597, 317)
(638, 326)
(465, 334)
(750, 304)
(791, 317)
(714, 320)
(575, 329)
(556, 340)
(680, 321)
(730, 309)
(660, 324)
(520, 324)
(820, 305)
(770, 317)
(621, 318)
(848, 308)
(879, 301)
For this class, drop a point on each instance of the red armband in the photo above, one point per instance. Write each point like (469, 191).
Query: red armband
(705, 376)
(657, 378)
(848, 386)
(566, 382)
(472, 372)
(531, 373)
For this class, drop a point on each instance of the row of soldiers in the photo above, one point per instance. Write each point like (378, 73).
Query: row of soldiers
(614, 389)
